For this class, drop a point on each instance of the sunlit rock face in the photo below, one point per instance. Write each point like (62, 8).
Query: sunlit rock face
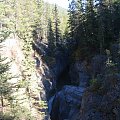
(12, 51)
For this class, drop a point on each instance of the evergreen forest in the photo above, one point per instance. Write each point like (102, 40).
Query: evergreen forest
(57, 63)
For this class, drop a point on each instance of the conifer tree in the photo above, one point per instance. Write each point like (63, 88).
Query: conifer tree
(50, 37)
(5, 86)
(56, 27)
(72, 18)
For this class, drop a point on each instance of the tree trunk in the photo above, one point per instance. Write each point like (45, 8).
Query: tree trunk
(2, 105)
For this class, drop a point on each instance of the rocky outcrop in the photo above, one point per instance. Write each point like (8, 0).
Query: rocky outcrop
(66, 102)
(81, 71)
(40, 47)
(53, 65)
(79, 74)
(89, 101)
(96, 92)
(102, 103)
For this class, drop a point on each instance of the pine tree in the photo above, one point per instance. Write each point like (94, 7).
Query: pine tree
(50, 37)
(56, 27)
(92, 25)
(5, 86)
(72, 19)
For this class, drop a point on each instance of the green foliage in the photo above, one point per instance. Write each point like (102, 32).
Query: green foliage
(4, 34)
(17, 113)
(20, 113)
(6, 116)
(96, 86)
(22, 84)
(93, 81)
(105, 82)
(43, 104)
(27, 21)
(51, 38)
(5, 86)
(94, 26)
(56, 27)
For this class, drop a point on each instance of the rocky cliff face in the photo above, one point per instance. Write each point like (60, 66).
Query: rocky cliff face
(84, 90)
(66, 102)
(73, 91)
(94, 98)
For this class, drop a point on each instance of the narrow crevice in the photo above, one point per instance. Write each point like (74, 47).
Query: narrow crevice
(63, 78)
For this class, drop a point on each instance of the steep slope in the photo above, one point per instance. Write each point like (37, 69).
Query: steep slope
(31, 99)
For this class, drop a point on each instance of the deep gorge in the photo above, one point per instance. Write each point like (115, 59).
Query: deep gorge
(60, 64)
(75, 87)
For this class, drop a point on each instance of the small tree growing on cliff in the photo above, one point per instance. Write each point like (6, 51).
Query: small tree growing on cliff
(5, 87)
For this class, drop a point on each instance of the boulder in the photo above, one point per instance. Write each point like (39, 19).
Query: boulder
(66, 102)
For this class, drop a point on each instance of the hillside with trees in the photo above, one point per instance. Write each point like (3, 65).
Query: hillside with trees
(21, 23)
(58, 64)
